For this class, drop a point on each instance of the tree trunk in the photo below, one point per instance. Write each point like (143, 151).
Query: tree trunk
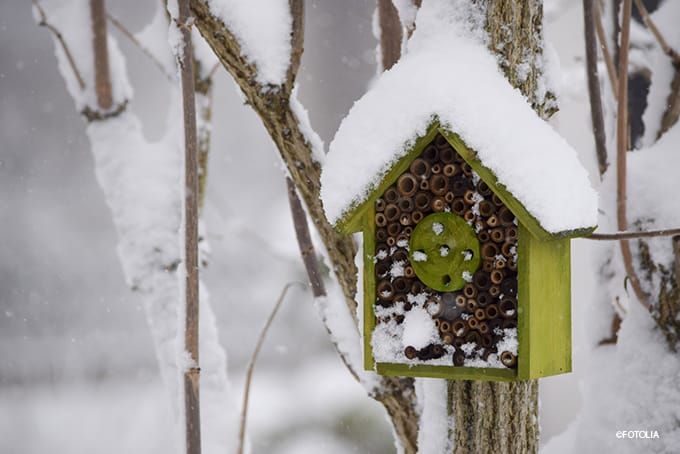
(491, 417)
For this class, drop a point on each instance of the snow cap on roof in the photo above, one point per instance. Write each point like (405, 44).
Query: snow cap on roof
(448, 74)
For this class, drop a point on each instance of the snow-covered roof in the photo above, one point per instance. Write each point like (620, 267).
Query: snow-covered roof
(449, 75)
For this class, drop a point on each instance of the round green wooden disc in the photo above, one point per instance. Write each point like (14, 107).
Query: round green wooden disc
(443, 251)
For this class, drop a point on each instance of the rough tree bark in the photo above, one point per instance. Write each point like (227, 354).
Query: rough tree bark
(489, 417)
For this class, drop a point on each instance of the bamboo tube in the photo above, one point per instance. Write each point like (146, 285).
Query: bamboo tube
(400, 285)
(470, 291)
(499, 263)
(407, 185)
(469, 197)
(408, 272)
(436, 169)
(496, 200)
(496, 277)
(458, 358)
(410, 352)
(437, 351)
(480, 314)
(492, 311)
(438, 204)
(481, 280)
(486, 338)
(471, 305)
(447, 155)
(422, 201)
(508, 307)
(434, 308)
(385, 291)
(459, 341)
(449, 197)
(447, 338)
(437, 323)
(458, 207)
(494, 290)
(420, 168)
(405, 205)
(487, 266)
(473, 336)
(400, 299)
(483, 236)
(431, 153)
(469, 216)
(402, 238)
(458, 186)
(393, 229)
(512, 264)
(381, 234)
(439, 184)
(492, 221)
(483, 299)
(392, 212)
(380, 204)
(444, 326)
(391, 241)
(450, 170)
(497, 235)
(416, 288)
(511, 233)
(400, 255)
(381, 249)
(489, 251)
(416, 217)
(508, 359)
(391, 195)
(509, 323)
(460, 301)
(380, 220)
(382, 268)
(483, 188)
(467, 170)
(459, 328)
(505, 216)
(405, 219)
(425, 353)
(486, 208)
(425, 185)
(408, 230)
(472, 323)
(506, 249)
(509, 286)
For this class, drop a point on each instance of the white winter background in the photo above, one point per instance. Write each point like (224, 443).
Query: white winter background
(78, 372)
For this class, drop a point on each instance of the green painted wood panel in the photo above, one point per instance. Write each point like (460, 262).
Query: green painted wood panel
(369, 285)
(544, 295)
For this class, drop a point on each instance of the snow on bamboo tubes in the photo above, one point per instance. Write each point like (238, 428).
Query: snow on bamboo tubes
(468, 325)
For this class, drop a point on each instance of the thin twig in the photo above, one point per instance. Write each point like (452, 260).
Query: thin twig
(632, 235)
(251, 365)
(621, 152)
(57, 34)
(297, 39)
(100, 47)
(604, 47)
(191, 296)
(646, 18)
(594, 93)
(214, 69)
(309, 256)
(133, 39)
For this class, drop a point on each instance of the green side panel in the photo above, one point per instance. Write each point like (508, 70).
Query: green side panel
(447, 372)
(369, 284)
(544, 318)
(353, 220)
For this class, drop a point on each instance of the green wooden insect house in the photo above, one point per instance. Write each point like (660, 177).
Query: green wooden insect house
(466, 228)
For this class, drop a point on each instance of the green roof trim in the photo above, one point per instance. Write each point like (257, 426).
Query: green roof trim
(351, 220)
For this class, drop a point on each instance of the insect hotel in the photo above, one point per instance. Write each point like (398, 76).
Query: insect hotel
(466, 239)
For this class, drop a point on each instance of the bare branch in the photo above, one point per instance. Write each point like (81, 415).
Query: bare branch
(102, 75)
(632, 235)
(57, 34)
(621, 152)
(191, 190)
(251, 365)
(594, 87)
(133, 39)
(390, 33)
(297, 39)
(604, 47)
(646, 18)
